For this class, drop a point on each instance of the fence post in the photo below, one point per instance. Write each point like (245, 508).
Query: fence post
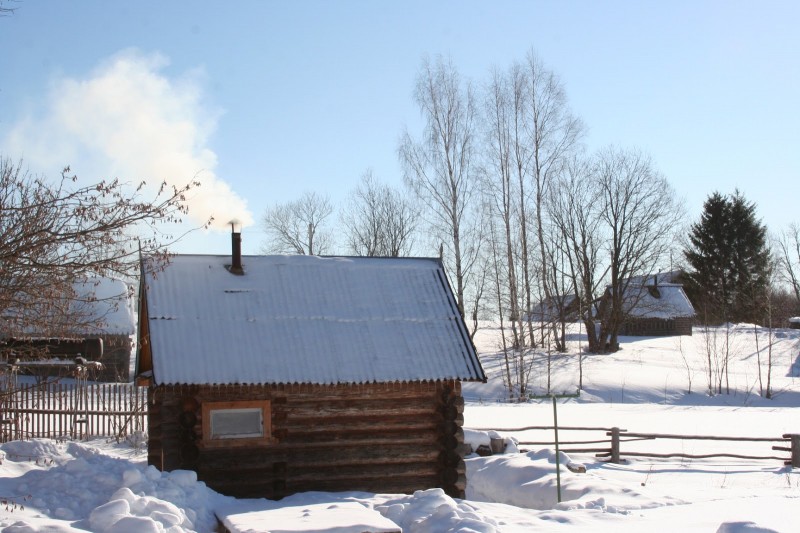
(615, 445)
(558, 455)
(795, 439)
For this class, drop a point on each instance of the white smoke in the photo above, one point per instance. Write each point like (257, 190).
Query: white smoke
(128, 119)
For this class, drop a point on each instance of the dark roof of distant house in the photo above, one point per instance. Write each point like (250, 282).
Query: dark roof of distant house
(548, 309)
(306, 319)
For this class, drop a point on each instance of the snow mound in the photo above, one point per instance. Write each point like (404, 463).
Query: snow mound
(121, 497)
(529, 480)
(32, 449)
(432, 511)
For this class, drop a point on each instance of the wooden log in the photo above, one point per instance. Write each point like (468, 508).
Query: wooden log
(403, 485)
(229, 460)
(354, 408)
(795, 449)
(650, 436)
(576, 468)
(546, 428)
(449, 458)
(615, 445)
(362, 425)
(298, 473)
(701, 456)
(324, 441)
(560, 442)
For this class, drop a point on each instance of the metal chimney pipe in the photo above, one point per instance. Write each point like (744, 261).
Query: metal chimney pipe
(236, 251)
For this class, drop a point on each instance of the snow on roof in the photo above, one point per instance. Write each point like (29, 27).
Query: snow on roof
(110, 304)
(306, 319)
(667, 300)
(99, 306)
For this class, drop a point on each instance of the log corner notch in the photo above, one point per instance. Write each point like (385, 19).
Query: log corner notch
(452, 469)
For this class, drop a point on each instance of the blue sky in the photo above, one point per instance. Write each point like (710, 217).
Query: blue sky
(269, 99)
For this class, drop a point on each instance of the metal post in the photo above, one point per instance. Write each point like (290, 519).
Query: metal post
(558, 455)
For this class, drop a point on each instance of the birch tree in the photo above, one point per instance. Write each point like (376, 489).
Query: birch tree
(439, 168)
(552, 134)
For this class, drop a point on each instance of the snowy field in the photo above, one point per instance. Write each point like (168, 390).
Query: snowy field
(645, 387)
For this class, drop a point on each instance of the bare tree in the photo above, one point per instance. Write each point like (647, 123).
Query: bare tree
(552, 134)
(57, 235)
(379, 220)
(573, 207)
(299, 227)
(439, 167)
(503, 198)
(530, 133)
(5, 10)
(788, 250)
(638, 207)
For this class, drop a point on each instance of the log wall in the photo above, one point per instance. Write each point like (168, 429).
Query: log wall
(116, 359)
(395, 437)
(657, 327)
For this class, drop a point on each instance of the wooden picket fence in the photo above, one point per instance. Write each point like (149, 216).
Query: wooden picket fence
(611, 446)
(72, 410)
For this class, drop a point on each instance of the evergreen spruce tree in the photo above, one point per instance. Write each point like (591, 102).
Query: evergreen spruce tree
(729, 261)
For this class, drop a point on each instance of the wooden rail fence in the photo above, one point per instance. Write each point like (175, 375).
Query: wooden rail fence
(74, 410)
(615, 437)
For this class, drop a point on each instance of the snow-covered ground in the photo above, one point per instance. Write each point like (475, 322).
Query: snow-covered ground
(107, 486)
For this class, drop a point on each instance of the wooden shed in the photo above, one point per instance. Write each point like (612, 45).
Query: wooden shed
(97, 323)
(272, 375)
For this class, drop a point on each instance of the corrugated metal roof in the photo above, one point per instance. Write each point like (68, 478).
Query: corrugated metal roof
(306, 319)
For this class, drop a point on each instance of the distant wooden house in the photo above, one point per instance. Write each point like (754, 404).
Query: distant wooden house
(555, 309)
(97, 324)
(272, 375)
(656, 306)
(794, 322)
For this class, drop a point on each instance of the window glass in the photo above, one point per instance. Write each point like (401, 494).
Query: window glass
(236, 423)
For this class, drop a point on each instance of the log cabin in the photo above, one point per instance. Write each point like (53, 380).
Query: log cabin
(271, 375)
(654, 306)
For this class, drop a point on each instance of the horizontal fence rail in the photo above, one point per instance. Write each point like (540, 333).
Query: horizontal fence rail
(616, 437)
(72, 410)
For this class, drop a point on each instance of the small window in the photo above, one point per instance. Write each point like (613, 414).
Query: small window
(236, 423)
